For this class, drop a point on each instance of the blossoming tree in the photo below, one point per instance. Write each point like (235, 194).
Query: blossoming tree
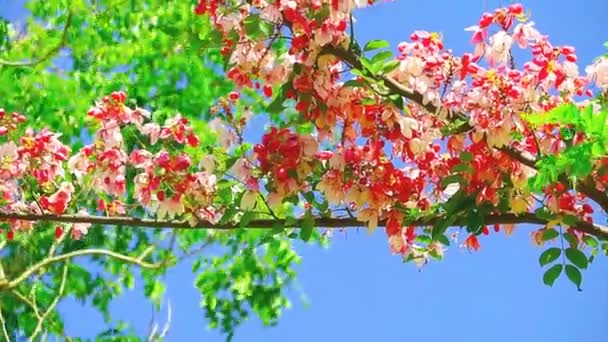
(434, 147)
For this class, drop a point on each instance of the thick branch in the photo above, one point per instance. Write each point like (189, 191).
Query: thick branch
(529, 218)
(50, 53)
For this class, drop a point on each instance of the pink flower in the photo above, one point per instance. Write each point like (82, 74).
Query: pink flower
(80, 229)
(151, 129)
(58, 202)
(170, 208)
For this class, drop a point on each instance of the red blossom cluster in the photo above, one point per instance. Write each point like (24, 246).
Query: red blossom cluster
(440, 86)
(392, 153)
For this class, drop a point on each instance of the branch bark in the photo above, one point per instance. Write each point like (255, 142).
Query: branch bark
(323, 222)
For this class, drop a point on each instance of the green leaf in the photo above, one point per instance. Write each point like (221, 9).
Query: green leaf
(572, 240)
(544, 214)
(354, 83)
(129, 280)
(461, 167)
(575, 276)
(380, 57)
(474, 222)
(550, 234)
(570, 220)
(466, 156)
(451, 179)
(308, 225)
(155, 292)
(246, 218)
(376, 44)
(590, 241)
(366, 63)
(256, 27)
(551, 274)
(578, 258)
(549, 256)
(390, 66)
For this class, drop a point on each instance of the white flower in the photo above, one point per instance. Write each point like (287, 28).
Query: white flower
(418, 146)
(8, 156)
(227, 136)
(412, 66)
(78, 165)
(151, 129)
(449, 191)
(248, 200)
(110, 134)
(407, 125)
(310, 146)
(169, 208)
(498, 50)
(207, 163)
(598, 72)
(241, 169)
(370, 216)
(80, 229)
(524, 33)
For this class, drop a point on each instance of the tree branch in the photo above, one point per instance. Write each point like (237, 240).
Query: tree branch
(325, 222)
(53, 304)
(585, 186)
(393, 85)
(50, 53)
(8, 285)
(29, 303)
(3, 323)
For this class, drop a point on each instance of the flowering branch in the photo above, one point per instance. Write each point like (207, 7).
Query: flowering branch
(350, 58)
(585, 186)
(323, 222)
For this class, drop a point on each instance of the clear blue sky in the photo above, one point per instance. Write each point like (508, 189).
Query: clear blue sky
(359, 292)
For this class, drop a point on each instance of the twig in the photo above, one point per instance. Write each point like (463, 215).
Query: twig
(48, 54)
(153, 336)
(64, 257)
(168, 322)
(53, 304)
(28, 302)
(3, 323)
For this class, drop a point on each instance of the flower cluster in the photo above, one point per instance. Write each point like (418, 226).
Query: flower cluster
(406, 134)
(166, 183)
(484, 88)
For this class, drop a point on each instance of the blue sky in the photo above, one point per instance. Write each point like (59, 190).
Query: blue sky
(358, 291)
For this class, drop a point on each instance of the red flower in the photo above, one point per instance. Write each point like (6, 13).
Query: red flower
(472, 242)
(58, 232)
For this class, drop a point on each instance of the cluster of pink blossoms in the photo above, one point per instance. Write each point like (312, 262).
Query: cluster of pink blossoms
(490, 98)
(167, 185)
(386, 158)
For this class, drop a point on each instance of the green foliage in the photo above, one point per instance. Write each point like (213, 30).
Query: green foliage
(575, 160)
(167, 60)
